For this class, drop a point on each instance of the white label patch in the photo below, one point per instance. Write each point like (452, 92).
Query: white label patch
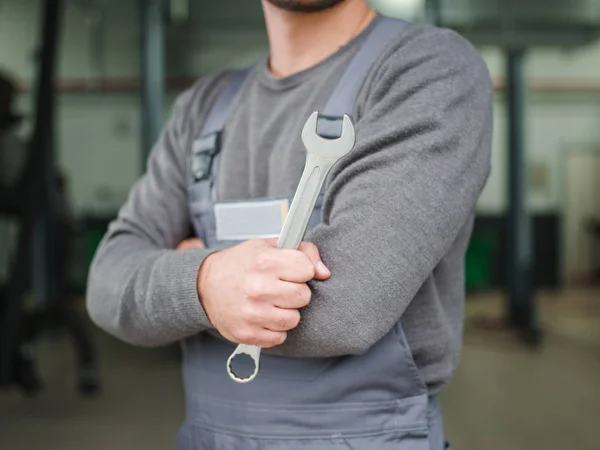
(250, 220)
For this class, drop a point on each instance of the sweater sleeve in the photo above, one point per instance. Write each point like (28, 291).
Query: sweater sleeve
(139, 288)
(396, 203)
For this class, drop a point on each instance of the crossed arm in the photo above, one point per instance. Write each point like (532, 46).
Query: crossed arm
(393, 208)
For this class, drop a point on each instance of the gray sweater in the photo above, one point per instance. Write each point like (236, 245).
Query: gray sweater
(397, 213)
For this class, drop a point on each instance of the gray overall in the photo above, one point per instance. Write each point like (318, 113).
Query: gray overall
(376, 401)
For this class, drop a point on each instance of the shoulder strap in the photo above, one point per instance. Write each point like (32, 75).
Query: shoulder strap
(214, 123)
(342, 100)
(217, 115)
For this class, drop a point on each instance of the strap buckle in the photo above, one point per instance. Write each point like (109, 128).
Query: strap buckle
(204, 150)
(330, 127)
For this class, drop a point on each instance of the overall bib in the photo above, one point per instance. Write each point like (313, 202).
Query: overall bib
(375, 401)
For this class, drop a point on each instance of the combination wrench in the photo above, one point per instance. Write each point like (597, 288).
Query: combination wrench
(321, 156)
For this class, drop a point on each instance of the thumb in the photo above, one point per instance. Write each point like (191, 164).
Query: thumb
(311, 250)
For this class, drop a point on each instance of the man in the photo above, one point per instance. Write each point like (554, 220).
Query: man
(361, 326)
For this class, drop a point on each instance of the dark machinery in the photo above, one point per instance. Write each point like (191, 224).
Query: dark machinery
(42, 243)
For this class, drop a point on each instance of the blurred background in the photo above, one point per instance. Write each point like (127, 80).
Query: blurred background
(95, 81)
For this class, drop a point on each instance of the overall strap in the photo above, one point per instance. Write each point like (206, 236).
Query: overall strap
(342, 100)
(206, 147)
(217, 116)
(209, 142)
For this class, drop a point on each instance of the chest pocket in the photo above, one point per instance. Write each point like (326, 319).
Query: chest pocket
(242, 220)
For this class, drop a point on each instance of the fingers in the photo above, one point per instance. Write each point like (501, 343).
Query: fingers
(187, 244)
(292, 295)
(312, 252)
(271, 241)
(269, 330)
(260, 337)
(275, 292)
(268, 338)
(285, 264)
(282, 319)
(298, 266)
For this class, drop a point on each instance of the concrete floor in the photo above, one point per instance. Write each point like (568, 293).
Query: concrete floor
(504, 395)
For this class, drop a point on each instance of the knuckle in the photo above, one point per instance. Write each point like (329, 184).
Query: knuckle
(249, 314)
(295, 320)
(279, 324)
(310, 249)
(280, 339)
(303, 265)
(310, 269)
(244, 335)
(288, 322)
(275, 339)
(262, 262)
(255, 288)
(285, 323)
(304, 294)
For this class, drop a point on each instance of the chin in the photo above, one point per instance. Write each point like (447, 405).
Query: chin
(305, 6)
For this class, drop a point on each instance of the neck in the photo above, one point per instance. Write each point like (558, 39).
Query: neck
(298, 41)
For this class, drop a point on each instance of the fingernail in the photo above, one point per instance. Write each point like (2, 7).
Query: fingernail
(322, 268)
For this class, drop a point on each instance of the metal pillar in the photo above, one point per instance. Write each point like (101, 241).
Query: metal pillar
(36, 207)
(152, 78)
(433, 12)
(521, 311)
(42, 149)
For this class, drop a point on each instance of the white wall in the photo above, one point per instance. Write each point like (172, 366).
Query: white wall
(556, 122)
(98, 136)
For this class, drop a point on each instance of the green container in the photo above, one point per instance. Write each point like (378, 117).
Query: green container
(93, 238)
(479, 259)
(85, 242)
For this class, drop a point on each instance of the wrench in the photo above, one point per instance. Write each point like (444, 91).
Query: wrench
(321, 155)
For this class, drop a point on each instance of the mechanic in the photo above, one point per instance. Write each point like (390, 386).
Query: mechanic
(361, 326)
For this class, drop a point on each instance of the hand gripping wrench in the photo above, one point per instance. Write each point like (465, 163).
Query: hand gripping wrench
(321, 155)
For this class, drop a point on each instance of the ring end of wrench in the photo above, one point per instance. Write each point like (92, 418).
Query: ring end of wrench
(250, 350)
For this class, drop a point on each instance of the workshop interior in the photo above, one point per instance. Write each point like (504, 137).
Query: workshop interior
(95, 81)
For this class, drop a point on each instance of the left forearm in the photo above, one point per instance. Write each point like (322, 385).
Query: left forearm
(377, 267)
(398, 201)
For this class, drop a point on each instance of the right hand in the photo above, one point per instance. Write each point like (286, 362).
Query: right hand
(251, 292)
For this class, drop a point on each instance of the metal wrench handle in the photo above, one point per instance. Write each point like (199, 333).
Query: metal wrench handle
(321, 156)
(304, 201)
(291, 236)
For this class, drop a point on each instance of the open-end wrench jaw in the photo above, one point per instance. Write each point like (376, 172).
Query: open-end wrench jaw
(324, 147)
